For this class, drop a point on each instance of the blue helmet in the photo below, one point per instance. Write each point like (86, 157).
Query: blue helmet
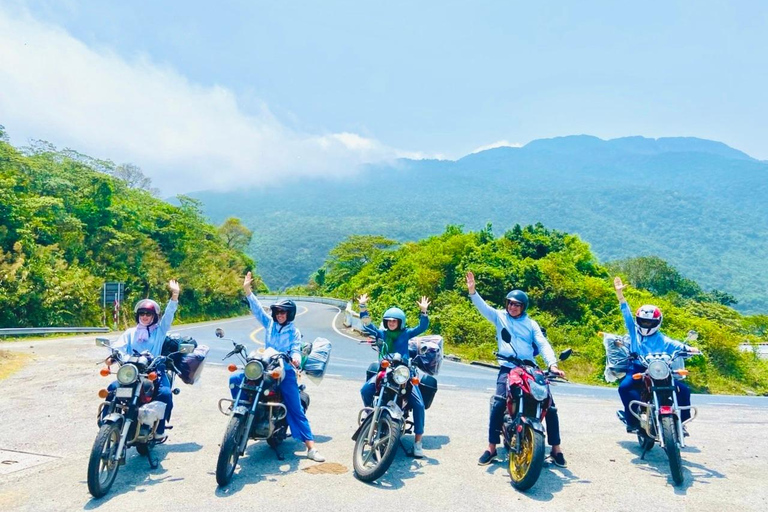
(518, 296)
(395, 314)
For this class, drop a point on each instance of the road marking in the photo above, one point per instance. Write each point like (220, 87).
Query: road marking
(448, 385)
(333, 324)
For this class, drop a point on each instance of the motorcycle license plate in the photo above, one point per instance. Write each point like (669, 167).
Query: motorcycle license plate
(124, 392)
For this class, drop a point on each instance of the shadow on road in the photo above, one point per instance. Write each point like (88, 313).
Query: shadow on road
(405, 466)
(552, 480)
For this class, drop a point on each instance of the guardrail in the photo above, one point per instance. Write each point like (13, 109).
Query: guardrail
(351, 317)
(51, 330)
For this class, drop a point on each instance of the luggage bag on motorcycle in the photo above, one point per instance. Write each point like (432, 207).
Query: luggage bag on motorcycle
(430, 352)
(428, 388)
(173, 341)
(617, 360)
(190, 365)
(315, 360)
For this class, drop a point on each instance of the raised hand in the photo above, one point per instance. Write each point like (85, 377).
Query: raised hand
(363, 299)
(470, 283)
(247, 283)
(423, 304)
(619, 287)
(173, 285)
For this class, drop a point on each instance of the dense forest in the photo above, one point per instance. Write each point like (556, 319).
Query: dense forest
(69, 223)
(697, 204)
(571, 296)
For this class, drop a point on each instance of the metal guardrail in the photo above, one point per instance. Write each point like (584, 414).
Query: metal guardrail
(351, 317)
(51, 330)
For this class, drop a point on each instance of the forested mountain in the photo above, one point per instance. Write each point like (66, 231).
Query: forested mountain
(571, 296)
(67, 225)
(698, 204)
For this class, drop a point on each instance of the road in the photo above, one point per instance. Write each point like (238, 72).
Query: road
(47, 426)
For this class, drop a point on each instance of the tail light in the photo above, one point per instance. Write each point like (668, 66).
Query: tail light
(666, 409)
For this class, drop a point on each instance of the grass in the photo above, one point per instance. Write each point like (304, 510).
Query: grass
(10, 363)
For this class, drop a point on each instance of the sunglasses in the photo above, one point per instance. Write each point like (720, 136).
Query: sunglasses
(281, 312)
(146, 313)
(514, 304)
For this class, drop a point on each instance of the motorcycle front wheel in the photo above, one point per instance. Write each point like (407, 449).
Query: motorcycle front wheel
(374, 453)
(525, 465)
(672, 447)
(229, 453)
(102, 466)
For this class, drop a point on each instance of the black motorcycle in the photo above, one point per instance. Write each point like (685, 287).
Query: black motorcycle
(131, 416)
(257, 412)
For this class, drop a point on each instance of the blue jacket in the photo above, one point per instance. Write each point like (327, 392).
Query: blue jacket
(525, 334)
(401, 342)
(283, 338)
(154, 344)
(644, 345)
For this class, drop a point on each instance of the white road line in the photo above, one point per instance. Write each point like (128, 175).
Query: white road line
(333, 324)
(448, 385)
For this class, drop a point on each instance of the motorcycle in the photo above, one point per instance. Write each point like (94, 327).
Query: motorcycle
(130, 417)
(658, 410)
(527, 401)
(257, 412)
(381, 426)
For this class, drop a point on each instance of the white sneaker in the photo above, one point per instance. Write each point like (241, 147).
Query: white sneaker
(314, 455)
(418, 452)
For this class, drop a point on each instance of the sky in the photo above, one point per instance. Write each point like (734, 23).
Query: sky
(221, 95)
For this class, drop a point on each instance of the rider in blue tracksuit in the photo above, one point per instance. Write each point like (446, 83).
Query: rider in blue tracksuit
(526, 338)
(394, 339)
(645, 338)
(148, 336)
(280, 334)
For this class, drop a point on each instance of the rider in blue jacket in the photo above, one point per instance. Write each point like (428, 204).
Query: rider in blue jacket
(394, 339)
(280, 334)
(527, 339)
(645, 338)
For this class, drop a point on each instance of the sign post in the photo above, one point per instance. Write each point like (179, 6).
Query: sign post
(113, 293)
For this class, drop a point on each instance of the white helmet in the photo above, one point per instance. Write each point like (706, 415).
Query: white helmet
(648, 319)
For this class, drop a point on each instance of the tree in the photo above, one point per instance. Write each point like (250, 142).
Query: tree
(134, 177)
(347, 258)
(234, 234)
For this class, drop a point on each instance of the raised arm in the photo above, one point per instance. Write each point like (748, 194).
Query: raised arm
(423, 319)
(487, 311)
(253, 302)
(629, 319)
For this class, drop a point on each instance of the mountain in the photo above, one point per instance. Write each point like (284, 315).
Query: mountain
(696, 203)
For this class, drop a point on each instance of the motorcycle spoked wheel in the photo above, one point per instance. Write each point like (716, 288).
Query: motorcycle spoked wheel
(525, 465)
(371, 460)
(229, 453)
(102, 468)
(672, 447)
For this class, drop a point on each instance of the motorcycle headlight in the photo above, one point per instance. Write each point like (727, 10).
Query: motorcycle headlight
(127, 374)
(539, 391)
(658, 370)
(253, 370)
(401, 374)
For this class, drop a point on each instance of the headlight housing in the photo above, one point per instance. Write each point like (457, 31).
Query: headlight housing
(253, 370)
(401, 374)
(538, 391)
(127, 374)
(658, 370)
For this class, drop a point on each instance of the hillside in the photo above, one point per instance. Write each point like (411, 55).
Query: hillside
(695, 203)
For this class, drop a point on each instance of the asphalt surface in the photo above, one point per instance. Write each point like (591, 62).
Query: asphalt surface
(47, 427)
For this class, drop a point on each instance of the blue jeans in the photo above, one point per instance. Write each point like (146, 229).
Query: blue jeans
(163, 394)
(289, 389)
(415, 402)
(630, 389)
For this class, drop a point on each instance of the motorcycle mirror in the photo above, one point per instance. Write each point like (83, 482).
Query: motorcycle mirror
(219, 332)
(565, 354)
(103, 342)
(505, 335)
(186, 348)
(692, 335)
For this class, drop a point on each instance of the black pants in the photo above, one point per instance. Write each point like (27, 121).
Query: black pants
(497, 413)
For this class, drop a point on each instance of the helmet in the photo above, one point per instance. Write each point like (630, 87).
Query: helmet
(284, 305)
(648, 319)
(147, 305)
(518, 296)
(394, 314)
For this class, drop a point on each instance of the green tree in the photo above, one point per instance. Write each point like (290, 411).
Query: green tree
(234, 234)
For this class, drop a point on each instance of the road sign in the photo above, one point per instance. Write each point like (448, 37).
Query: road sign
(112, 292)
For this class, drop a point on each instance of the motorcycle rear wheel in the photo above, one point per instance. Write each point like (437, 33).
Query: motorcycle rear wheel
(525, 466)
(102, 468)
(371, 461)
(672, 447)
(229, 453)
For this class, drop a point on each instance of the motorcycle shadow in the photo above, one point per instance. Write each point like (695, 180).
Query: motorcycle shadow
(553, 479)
(656, 462)
(405, 466)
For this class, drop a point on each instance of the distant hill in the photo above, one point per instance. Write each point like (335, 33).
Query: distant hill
(696, 203)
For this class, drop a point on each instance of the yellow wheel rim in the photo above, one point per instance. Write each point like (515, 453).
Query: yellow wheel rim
(520, 463)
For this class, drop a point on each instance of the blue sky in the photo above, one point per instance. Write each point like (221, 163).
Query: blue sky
(204, 94)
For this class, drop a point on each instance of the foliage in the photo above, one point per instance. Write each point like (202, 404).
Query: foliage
(235, 235)
(571, 296)
(68, 224)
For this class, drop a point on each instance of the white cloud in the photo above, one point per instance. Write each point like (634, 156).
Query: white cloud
(184, 136)
(498, 144)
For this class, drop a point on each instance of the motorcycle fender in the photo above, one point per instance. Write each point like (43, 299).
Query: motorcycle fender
(240, 410)
(114, 418)
(357, 432)
(535, 423)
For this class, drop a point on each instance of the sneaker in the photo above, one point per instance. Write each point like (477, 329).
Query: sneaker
(558, 459)
(685, 431)
(314, 455)
(620, 414)
(486, 458)
(418, 452)
(633, 429)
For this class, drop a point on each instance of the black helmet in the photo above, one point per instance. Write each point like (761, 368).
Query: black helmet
(518, 296)
(284, 305)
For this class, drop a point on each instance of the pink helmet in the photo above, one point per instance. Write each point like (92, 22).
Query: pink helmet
(648, 319)
(147, 305)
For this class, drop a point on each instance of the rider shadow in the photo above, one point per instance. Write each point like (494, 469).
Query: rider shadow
(549, 482)
(261, 464)
(656, 462)
(405, 466)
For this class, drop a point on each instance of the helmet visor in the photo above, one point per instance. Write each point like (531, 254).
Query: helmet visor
(648, 323)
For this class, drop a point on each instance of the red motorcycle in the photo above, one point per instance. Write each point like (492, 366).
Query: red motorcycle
(527, 402)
